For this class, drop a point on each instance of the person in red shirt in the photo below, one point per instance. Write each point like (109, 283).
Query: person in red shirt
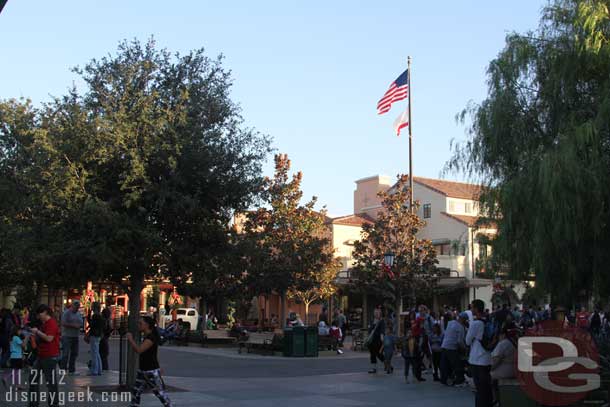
(582, 318)
(47, 338)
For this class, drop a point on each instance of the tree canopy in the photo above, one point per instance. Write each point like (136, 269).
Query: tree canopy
(414, 273)
(136, 175)
(540, 143)
(286, 243)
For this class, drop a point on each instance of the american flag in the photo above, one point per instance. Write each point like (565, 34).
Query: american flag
(398, 90)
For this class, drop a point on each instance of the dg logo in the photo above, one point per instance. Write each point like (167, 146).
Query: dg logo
(557, 365)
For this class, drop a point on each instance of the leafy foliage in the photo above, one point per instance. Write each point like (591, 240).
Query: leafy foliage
(540, 142)
(135, 177)
(286, 244)
(414, 272)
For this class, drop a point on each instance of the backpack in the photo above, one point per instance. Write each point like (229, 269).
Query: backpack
(490, 334)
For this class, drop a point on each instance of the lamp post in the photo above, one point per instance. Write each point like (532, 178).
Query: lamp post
(388, 259)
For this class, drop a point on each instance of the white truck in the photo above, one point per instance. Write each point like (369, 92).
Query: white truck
(189, 315)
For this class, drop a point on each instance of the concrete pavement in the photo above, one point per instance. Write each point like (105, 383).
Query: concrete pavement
(228, 379)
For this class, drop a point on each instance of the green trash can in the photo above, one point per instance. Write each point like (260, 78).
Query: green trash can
(288, 350)
(294, 342)
(311, 342)
(298, 342)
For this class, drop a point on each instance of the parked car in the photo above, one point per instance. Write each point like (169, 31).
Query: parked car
(189, 315)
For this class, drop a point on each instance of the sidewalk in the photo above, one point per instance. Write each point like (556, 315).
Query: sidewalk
(352, 389)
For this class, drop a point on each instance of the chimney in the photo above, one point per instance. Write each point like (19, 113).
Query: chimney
(365, 196)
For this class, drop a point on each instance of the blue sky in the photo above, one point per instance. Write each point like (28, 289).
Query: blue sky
(309, 74)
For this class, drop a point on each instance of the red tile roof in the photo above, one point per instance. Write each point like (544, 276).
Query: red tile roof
(451, 189)
(352, 220)
(468, 220)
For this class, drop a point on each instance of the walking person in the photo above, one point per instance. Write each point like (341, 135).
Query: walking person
(16, 360)
(480, 358)
(94, 334)
(452, 346)
(389, 343)
(374, 341)
(411, 354)
(435, 340)
(45, 366)
(149, 374)
(104, 343)
(71, 323)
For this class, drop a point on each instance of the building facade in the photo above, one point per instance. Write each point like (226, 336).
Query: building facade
(450, 210)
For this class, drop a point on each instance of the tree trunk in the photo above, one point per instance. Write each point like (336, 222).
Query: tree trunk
(137, 284)
(283, 309)
(307, 322)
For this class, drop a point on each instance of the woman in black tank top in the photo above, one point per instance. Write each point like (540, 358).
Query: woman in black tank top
(148, 374)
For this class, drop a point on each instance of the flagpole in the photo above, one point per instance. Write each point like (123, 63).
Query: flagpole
(410, 90)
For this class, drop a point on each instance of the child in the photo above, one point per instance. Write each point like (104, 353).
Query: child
(435, 340)
(335, 332)
(16, 362)
(410, 353)
(389, 343)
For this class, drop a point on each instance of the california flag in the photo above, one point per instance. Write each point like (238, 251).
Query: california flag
(401, 122)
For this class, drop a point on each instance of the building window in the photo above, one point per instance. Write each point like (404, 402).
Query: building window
(427, 211)
(451, 206)
(467, 207)
(443, 249)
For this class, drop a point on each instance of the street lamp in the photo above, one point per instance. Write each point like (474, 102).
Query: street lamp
(388, 259)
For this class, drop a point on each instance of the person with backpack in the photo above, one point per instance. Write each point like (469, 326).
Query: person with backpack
(480, 338)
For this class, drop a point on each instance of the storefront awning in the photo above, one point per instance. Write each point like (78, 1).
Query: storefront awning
(456, 282)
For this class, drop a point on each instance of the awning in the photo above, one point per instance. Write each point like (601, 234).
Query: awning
(456, 282)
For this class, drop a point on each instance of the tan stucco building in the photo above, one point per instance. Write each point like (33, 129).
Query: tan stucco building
(450, 210)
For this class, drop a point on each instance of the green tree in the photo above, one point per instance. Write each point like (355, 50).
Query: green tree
(540, 143)
(414, 273)
(286, 243)
(141, 172)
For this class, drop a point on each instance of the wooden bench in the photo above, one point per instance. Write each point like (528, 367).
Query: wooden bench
(217, 336)
(255, 340)
(327, 342)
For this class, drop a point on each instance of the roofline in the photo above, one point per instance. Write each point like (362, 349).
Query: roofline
(378, 176)
(455, 218)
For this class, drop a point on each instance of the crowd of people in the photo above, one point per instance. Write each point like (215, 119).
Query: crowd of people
(50, 339)
(475, 346)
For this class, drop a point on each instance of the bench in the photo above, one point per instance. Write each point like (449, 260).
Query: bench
(255, 340)
(217, 336)
(327, 342)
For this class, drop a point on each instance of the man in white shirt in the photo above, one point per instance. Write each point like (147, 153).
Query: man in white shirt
(479, 358)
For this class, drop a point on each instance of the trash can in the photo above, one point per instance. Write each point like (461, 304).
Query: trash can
(288, 347)
(294, 342)
(311, 342)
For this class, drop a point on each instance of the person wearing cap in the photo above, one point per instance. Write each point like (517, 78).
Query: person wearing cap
(452, 345)
(47, 339)
(71, 323)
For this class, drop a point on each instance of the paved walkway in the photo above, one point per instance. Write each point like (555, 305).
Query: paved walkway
(339, 389)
